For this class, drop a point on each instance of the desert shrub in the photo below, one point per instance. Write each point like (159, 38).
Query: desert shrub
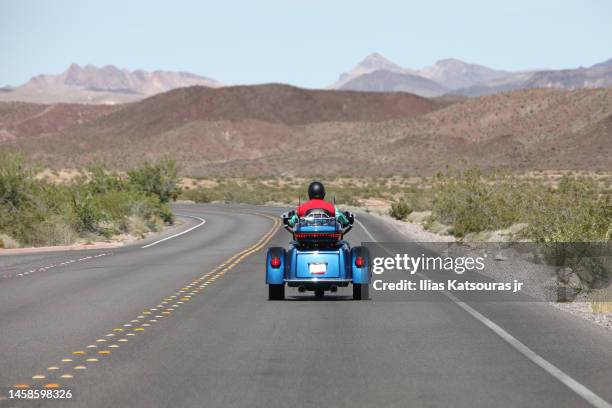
(53, 230)
(16, 182)
(570, 222)
(257, 192)
(419, 199)
(87, 214)
(473, 203)
(573, 212)
(572, 225)
(198, 195)
(101, 181)
(33, 212)
(7, 242)
(400, 210)
(22, 199)
(159, 178)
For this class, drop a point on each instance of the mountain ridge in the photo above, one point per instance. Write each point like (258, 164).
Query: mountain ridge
(271, 130)
(107, 85)
(462, 78)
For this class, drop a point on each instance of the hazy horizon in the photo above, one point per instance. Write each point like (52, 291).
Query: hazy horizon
(303, 44)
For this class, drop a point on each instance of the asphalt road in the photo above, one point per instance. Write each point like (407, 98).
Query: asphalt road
(167, 326)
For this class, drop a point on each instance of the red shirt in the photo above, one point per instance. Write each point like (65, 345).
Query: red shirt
(316, 203)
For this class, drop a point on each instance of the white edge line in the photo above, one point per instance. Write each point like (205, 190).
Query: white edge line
(202, 222)
(366, 231)
(588, 395)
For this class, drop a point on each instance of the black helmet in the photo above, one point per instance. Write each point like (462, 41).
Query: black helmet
(316, 190)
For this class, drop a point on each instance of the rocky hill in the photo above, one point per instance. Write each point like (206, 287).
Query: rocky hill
(101, 85)
(272, 130)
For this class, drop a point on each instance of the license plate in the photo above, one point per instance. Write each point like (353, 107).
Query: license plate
(317, 268)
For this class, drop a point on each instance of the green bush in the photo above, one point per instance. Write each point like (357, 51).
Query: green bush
(159, 178)
(199, 195)
(419, 199)
(574, 212)
(400, 210)
(17, 187)
(33, 212)
(472, 203)
(84, 207)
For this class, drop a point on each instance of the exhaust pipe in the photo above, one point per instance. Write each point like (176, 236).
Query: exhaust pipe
(301, 289)
(333, 289)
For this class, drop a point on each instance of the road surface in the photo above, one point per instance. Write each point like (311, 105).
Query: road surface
(186, 323)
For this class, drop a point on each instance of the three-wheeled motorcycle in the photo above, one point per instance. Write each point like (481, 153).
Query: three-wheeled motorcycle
(318, 258)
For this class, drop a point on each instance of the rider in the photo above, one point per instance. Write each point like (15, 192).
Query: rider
(316, 195)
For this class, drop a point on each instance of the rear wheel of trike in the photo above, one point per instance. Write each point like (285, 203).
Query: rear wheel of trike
(276, 292)
(361, 291)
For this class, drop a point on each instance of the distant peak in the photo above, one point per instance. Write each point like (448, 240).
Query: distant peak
(74, 67)
(451, 61)
(375, 58)
(376, 61)
(375, 55)
(605, 64)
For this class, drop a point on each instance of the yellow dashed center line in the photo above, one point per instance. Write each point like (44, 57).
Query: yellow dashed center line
(201, 283)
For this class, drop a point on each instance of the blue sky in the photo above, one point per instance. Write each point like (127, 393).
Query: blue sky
(307, 43)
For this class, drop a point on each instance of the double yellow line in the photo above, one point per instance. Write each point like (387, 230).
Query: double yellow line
(138, 325)
(237, 258)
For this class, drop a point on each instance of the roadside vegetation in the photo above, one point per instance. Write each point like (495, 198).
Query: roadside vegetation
(95, 206)
(567, 208)
(574, 209)
(569, 221)
(261, 191)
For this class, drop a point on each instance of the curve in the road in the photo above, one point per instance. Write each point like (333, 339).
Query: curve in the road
(202, 222)
(121, 333)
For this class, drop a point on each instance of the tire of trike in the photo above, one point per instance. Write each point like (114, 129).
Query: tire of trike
(361, 291)
(276, 292)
